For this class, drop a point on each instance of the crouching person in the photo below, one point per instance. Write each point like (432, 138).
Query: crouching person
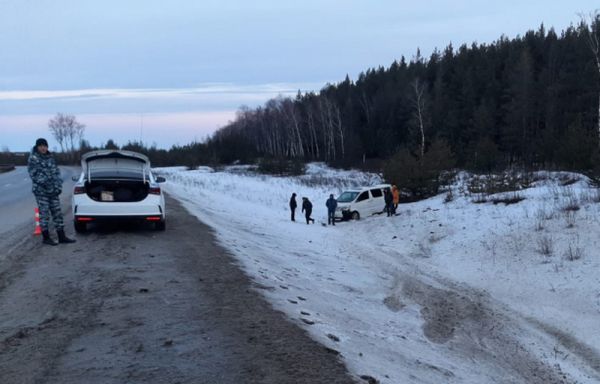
(47, 187)
(307, 209)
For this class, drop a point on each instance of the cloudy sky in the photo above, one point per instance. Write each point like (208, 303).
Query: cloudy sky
(169, 72)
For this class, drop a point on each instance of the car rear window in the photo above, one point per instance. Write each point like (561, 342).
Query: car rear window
(376, 192)
(117, 174)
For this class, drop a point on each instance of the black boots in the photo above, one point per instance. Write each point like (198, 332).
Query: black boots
(46, 239)
(62, 238)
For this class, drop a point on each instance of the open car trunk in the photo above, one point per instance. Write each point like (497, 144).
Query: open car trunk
(118, 176)
(116, 190)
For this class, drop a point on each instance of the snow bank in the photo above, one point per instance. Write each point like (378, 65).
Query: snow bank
(445, 292)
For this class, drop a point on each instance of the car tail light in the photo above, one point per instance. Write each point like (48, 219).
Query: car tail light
(154, 191)
(78, 190)
(84, 219)
(153, 218)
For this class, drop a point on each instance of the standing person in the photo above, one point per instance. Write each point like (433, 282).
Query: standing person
(331, 206)
(47, 187)
(293, 206)
(396, 195)
(307, 209)
(389, 201)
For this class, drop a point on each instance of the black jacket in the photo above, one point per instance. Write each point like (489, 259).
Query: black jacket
(293, 204)
(306, 206)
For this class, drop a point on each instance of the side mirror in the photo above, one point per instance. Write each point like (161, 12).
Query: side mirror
(160, 179)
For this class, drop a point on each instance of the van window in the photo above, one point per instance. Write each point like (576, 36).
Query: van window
(363, 196)
(376, 192)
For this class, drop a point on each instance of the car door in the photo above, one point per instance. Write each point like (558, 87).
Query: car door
(362, 204)
(377, 200)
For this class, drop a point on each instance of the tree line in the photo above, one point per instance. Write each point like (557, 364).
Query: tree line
(530, 101)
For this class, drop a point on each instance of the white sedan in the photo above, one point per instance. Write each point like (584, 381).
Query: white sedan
(117, 185)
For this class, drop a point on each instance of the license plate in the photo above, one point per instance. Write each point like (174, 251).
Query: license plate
(107, 196)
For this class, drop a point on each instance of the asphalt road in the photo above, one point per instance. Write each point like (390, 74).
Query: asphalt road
(128, 304)
(17, 202)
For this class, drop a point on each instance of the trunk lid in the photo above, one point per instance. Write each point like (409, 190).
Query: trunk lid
(115, 164)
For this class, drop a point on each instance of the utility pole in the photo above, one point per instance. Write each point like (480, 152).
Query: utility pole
(141, 128)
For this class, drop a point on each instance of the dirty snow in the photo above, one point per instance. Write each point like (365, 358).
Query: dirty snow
(452, 292)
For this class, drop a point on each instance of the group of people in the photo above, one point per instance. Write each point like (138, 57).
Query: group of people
(391, 198)
(307, 209)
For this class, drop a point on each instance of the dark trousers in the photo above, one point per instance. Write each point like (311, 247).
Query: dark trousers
(308, 218)
(389, 208)
(331, 217)
(293, 213)
(49, 207)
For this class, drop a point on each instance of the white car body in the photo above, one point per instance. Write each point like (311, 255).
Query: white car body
(116, 185)
(361, 202)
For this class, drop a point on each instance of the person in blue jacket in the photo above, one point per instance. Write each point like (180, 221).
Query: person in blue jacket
(331, 206)
(47, 187)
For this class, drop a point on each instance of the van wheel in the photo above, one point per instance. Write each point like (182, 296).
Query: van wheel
(355, 215)
(80, 227)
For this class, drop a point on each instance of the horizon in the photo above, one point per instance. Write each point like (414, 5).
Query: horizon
(171, 74)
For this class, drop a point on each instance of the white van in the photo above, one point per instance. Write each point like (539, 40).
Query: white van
(361, 202)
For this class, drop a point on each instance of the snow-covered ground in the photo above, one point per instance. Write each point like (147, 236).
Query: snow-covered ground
(445, 292)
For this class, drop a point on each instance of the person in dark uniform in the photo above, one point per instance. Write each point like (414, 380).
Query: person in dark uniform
(47, 187)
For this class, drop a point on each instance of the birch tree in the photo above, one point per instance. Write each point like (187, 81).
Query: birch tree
(419, 105)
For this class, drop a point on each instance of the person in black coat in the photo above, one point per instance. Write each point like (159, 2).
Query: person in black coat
(307, 209)
(389, 202)
(293, 206)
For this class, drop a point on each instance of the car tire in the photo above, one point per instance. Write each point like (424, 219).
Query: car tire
(80, 227)
(160, 225)
(355, 215)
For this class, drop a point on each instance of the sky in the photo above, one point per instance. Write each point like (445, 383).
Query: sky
(173, 72)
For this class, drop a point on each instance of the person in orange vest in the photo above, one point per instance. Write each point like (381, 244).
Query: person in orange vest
(396, 197)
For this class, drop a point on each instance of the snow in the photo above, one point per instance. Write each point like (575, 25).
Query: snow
(452, 292)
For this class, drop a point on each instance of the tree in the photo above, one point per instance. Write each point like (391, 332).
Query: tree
(421, 176)
(110, 144)
(67, 131)
(419, 105)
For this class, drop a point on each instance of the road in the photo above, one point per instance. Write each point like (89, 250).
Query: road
(133, 305)
(17, 201)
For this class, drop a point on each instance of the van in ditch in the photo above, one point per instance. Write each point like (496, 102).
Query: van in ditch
(361, 202)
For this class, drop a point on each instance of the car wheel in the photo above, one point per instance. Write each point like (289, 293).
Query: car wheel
(80, 227)
(355, 215)
(160, 225)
